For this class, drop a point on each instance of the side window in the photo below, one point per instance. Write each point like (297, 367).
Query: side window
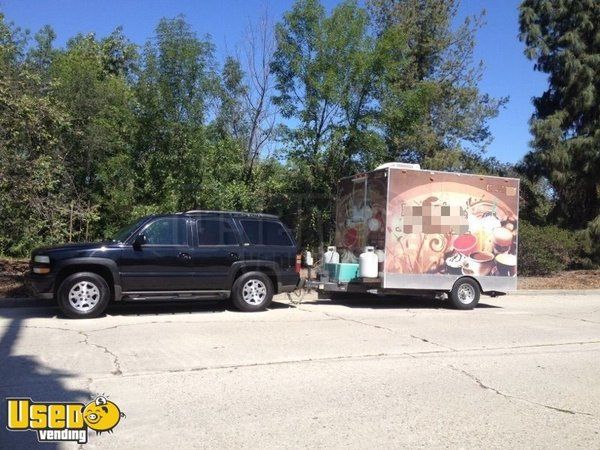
(263, 232)
(275, 234)
(252, 229)
(216, 231)
(167, 231)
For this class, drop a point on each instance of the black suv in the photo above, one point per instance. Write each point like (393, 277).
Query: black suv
(192, 255)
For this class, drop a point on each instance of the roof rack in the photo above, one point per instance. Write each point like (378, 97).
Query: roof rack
(240, 213)
(197, 211)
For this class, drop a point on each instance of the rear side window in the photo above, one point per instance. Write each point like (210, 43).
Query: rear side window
(167, 231)
(216, 231)
(265, 232)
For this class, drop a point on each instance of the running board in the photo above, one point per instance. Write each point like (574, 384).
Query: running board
(177, 295)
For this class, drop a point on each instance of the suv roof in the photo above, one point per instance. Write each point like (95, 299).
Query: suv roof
(194, 212)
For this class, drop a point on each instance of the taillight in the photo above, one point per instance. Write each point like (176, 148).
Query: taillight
(298, 262)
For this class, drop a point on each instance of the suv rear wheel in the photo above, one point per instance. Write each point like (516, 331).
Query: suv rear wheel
(83, 295)
(252, 291)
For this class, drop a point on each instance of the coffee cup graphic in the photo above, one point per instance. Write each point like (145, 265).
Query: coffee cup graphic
(465, 243)
(479, 264)
(503, 238)
(455, 263)
(506, 264)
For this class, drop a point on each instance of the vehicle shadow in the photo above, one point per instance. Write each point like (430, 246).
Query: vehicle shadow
(38, 308)
(406, 301)
(149, 307)
(23, 375)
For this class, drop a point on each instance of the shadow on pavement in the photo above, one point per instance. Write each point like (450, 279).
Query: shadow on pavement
(141, 308)
(390, 302)
(27, 376)
(37, 308)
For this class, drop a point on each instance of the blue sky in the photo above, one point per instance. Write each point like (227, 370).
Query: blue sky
(508, 72)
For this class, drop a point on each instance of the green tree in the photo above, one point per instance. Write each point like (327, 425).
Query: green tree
(432, 111)
(41, 56)
(178, 155)
(325, 71)
(39, 201)
(395, 81)
(563, 39)
(90, 79)
(231, 119)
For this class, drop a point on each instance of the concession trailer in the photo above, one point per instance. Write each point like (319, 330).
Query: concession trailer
(452, 234)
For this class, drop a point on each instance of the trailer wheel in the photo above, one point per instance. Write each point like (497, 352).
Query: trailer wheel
(465, 294)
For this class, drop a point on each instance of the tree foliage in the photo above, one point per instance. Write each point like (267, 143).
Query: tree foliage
(101, 131)
(563, 37)
(391, 82)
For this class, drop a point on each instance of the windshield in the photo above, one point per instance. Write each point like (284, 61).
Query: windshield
(125, 232)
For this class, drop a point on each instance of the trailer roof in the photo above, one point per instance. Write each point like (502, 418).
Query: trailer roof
(463, 174)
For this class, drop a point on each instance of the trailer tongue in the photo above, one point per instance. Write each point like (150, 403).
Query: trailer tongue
(439, 232)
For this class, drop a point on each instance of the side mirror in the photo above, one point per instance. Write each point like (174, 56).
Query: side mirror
(139, 241)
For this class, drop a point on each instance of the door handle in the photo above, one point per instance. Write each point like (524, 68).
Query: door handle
(234, 255)
(184, 255)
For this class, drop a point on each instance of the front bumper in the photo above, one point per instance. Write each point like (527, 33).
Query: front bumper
(42, 286)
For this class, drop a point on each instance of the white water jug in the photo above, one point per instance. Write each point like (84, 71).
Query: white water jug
(308, 258)
(331, 256)
(380, 258)
(368, 263)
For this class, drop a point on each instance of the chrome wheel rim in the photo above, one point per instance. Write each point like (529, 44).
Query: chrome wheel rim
(254, 292)
(466, 294)
(84, 295)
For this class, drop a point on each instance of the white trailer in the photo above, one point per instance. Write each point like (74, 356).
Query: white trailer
(450, 233)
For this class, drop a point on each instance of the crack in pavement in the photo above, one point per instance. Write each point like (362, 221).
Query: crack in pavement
(86, 341)
(282, 362)
(559, 316)
(432, 343)
(117, 364)
(190, 322)
(200, 322)
(345, 319)
(413, 354)
(514, 397)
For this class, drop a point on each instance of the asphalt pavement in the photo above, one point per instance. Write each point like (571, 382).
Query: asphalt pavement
(518, 371)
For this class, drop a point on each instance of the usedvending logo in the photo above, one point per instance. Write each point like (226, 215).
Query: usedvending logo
(62, 421)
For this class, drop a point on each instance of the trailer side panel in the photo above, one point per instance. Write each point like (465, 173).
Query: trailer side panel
(441, 226)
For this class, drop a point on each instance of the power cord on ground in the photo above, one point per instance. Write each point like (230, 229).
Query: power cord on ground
(296, 297)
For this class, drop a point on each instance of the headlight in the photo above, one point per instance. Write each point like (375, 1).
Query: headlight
(41, 259)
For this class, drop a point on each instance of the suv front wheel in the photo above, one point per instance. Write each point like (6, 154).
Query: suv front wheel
(83, 295)
(252, 291)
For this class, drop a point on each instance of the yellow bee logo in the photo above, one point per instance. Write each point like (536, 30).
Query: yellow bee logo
(102, 415)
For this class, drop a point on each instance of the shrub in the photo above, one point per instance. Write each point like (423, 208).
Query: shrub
(544, 250)
(592, 239)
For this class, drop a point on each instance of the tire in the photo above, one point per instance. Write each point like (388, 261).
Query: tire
(83, 295)
(252, 291)
(465, 294)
